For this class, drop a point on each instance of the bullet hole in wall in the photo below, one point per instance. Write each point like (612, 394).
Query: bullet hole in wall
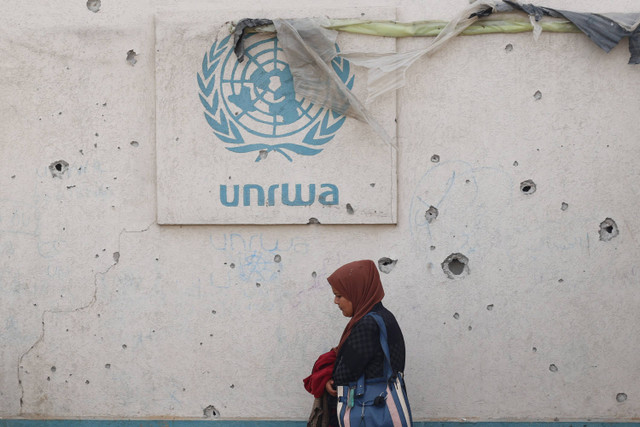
(258, 284)
(131, 57)
(537, 96)
(456, 266)
(349, 209)
(528, 187)
(313, 220)
(314, 274)
(621, 397)
(386, 264)
(107, 366)
(433, 248)
(53, 369)
(124, 346)
(490, 307)
(211, 412)
(435, 158)
(373, 184)
(431, 214)
(564, 206)
(608, 230)
(58, 168)
(508, 48)
(456, 316)
(232, 265)
(134, 143)
(116, 257)
(277, 258)
(263, 154)
(515, 163)
(93, 5)
(553, 368)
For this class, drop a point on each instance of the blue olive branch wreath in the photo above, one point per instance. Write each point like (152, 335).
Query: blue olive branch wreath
(226, 130)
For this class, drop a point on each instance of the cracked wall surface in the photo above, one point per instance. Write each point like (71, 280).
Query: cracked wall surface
(512, 270)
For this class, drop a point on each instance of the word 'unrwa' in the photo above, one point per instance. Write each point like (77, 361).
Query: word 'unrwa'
(255, 192)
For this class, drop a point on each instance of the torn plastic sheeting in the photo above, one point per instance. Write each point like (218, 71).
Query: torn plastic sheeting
(314, 79)
(310, 48)
(241, 29)
(387, 72)
(309, 45)
(605, 30)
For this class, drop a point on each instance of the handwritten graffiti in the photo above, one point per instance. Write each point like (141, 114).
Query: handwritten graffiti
(49, 248)
(468, 201)
(256, 259)
(18, 218)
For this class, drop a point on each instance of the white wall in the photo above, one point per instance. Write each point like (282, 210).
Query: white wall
(106, 314)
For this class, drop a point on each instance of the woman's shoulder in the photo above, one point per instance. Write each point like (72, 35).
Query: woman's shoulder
(369, 324)
(365, 327)
(367, 321)
(383, 312)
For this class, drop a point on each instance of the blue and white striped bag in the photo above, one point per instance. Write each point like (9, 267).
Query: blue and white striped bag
(376, 402)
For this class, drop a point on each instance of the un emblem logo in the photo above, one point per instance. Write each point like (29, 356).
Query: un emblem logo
(256, 97)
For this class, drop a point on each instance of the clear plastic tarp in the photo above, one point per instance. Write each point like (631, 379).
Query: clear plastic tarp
(309, 45)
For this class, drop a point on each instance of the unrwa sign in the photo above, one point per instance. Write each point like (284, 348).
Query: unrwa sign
(290, 159)
(328, 197)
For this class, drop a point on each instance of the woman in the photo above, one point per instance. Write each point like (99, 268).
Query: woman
(358, 291)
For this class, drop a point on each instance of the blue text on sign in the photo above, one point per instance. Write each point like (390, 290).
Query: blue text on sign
(330, 196)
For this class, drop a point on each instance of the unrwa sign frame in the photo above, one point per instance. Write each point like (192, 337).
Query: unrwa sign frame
(236, 144)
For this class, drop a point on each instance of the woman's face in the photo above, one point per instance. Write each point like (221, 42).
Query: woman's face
(343, 304)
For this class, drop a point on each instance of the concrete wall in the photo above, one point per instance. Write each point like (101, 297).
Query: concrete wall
(106, 314)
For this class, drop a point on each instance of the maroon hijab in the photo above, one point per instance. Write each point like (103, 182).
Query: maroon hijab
(359, 282)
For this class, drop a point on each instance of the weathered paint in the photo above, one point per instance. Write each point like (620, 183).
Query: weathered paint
(106, 314)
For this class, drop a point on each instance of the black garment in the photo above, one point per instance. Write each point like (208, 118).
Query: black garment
(320, 415)
(362, 353)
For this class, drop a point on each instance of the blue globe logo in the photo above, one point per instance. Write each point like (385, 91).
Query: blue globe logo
(257, 97)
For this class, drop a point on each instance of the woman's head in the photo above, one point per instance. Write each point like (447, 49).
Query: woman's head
(359, 283)
(357, 288)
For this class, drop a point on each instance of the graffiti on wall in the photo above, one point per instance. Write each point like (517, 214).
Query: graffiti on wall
(256, 258)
